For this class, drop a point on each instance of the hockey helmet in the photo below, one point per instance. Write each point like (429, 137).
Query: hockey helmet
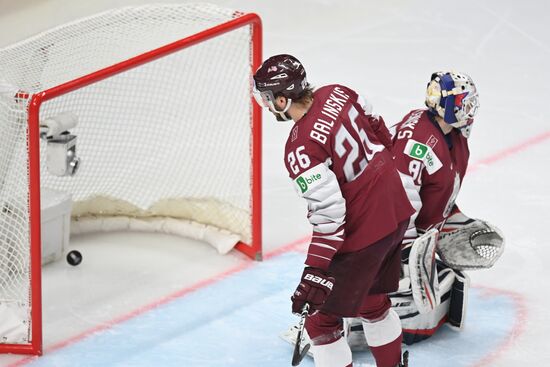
(280, 75)
(453, 96)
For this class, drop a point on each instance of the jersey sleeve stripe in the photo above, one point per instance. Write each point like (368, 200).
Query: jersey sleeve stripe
(323, 246)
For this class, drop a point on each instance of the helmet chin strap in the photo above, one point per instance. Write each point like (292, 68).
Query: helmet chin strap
(458, 124)
(281, 115)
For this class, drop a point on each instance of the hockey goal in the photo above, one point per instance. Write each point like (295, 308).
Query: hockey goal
(168, 136)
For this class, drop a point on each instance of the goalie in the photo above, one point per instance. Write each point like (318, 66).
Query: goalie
(431, 149)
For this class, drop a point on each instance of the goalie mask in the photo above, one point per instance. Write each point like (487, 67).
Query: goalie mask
(280, 75)
(453, 96)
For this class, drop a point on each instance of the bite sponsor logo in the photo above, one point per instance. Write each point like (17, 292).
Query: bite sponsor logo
(305, 182)
(429, 160)
(423, 153)
(418, 151)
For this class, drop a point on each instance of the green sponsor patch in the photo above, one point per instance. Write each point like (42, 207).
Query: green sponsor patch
(310, 179)
(423, 153)
(418, 150)
(302, 184)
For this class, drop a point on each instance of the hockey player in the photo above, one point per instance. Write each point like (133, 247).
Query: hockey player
(431, 150)
(338, 157)
(431, 147)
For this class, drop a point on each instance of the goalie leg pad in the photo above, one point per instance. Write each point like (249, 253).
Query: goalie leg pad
(423, 272)
(459, 300)
(354, 334)
(417, 326)
(453, 287)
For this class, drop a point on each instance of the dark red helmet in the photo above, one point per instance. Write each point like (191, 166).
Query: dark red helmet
(281, 75)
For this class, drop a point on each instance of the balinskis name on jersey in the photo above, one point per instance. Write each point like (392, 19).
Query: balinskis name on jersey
(335, 157)
(330, 111)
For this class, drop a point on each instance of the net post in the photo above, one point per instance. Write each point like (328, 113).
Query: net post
(34, 214)
(256, 245)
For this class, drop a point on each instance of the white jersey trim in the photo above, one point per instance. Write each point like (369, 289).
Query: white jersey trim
(413, 194)
(326, 204)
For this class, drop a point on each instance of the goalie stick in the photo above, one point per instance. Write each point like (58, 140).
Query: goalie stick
(298, 355)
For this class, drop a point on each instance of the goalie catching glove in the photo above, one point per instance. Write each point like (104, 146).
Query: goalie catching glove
(314, 289)
(468, 244)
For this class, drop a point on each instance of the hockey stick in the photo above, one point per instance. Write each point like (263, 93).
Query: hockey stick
(298, 355)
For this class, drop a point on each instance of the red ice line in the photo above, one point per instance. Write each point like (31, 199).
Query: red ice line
(505, 153)
(294, 245)
(517, 329)
(299, 245)
(139, 311)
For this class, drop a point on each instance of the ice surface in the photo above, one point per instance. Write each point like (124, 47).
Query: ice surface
(387, 51)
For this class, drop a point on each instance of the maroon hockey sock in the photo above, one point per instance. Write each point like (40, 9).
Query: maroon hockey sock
(388, 355)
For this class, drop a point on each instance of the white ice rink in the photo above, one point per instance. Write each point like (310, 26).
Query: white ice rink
(387, 51)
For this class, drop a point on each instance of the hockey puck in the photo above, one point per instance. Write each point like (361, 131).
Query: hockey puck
(74, 258)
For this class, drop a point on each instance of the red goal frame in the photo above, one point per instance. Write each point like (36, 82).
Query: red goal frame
(252, 250)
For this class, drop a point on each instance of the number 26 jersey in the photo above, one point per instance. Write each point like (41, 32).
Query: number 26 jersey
(339, 158)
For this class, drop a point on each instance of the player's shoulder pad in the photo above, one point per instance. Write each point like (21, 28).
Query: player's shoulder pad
(423, 153)
(309, 180)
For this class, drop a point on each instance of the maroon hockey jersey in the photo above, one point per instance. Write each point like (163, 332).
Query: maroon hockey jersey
(339, 159)
(435, 165)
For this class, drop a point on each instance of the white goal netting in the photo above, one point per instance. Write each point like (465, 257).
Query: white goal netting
(168, 138)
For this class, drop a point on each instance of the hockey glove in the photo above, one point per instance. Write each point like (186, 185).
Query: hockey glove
(314, 289)
(466, 243)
